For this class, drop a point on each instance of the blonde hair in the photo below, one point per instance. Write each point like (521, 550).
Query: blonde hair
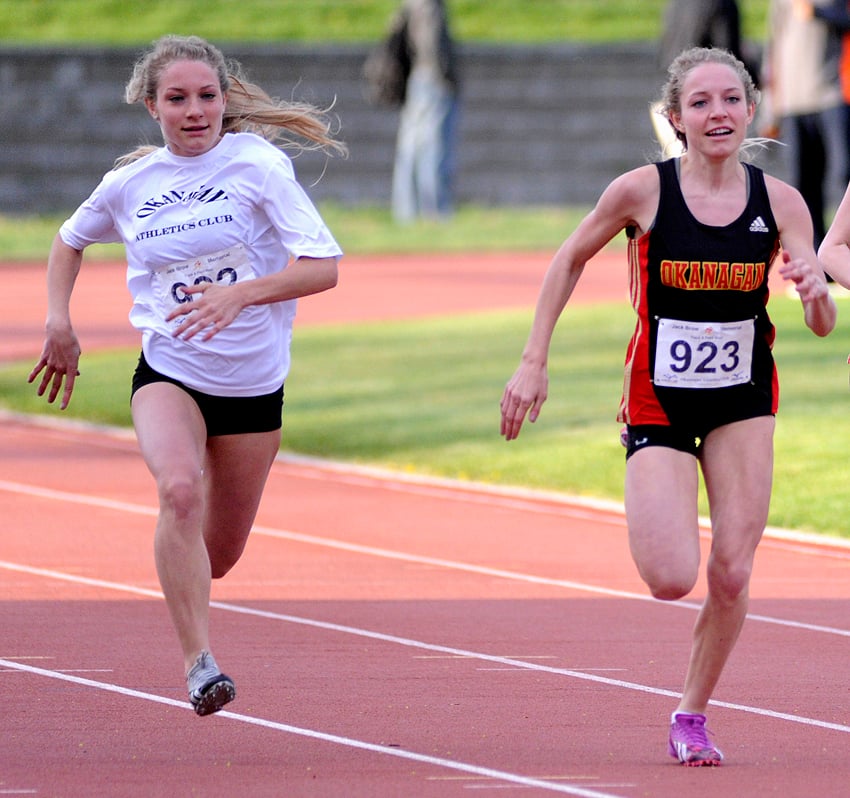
(684, 64)
(249, 108)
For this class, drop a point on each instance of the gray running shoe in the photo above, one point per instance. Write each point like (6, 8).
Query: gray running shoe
(209, 688)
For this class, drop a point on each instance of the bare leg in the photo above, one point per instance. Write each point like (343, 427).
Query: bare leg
(738, 465)
(235, 476)
(172, 438)
(209, 492)
(661, 508)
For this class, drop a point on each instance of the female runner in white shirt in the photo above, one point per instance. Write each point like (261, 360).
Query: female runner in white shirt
(221, 240)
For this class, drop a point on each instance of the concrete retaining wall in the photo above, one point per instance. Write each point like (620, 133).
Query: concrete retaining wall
(539, 125)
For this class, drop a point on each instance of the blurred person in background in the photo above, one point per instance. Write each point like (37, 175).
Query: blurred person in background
(425, 157)
(802, 98)
(837, 16)
(700, 23)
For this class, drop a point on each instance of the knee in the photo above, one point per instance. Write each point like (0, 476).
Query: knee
(669, 584)
(224, 555)
(181, 498)
(220, 566)
(671, 590)
(728, 580)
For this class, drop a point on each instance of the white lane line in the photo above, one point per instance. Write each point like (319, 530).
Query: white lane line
(76, 498)
(430, 647)
(349, 742)
(531, 500)
(372, 551)
(522, 577)
(512, 497)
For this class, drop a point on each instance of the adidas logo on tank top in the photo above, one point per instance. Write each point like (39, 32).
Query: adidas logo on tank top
(758, 226)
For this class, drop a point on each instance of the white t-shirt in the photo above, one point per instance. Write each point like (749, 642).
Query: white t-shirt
(234, 213)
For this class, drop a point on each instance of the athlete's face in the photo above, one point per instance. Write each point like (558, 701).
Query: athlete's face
(189, 107)
(715, 114)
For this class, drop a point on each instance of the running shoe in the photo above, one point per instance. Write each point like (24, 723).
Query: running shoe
(209, 688)
(689, 741)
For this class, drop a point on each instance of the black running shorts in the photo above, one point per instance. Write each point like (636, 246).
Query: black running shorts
(223, 415)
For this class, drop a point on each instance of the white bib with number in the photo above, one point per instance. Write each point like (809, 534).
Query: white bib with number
(225, 267)
(695, 354)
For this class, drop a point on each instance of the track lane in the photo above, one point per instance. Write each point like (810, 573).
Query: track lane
(427, 633)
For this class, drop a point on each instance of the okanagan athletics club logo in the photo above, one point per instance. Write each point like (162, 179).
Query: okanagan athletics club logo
(203, 194)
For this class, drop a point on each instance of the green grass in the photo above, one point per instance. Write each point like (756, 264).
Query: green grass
(428, 403)
(132, 22)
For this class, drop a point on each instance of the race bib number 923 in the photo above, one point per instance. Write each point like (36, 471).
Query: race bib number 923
(703, 354)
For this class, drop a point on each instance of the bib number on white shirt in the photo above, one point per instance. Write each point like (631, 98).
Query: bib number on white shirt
(225, 267)
(691, 354)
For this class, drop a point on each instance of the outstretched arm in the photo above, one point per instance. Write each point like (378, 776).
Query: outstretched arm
(630, 199)
(527, 390)
(61, 353)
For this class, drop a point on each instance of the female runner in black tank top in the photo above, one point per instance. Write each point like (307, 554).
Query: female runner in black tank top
(702, 243)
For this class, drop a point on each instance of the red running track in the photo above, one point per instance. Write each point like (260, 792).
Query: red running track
(371, 288)
(389, 636)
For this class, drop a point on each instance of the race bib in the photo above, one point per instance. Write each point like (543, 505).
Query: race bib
(225, 267)
(690, 354)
